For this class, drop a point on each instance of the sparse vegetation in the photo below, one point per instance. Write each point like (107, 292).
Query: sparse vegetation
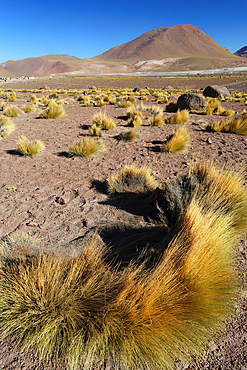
(10, 111)
(28, 109)
(179, 141)
(29, 147)
(235, 125)
(94, 130)
(156, 120)
(87, 147)
(124, 104)
(132, 179)
(11, 96)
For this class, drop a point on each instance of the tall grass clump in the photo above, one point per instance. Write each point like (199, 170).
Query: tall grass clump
(132, 179)
(10, 111)
(28, 109)
(94, 130)
(6, 126)
(33, 99)
(178, 117)
(53, 110)
(124, 104)
(11, 96)
(101, 120)
(29, 147)
(235, 125)
(179, 141)
(86, 147)
(156, 120)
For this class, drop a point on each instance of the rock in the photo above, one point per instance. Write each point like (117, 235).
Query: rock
(53, 96)
(32, 224)
(45, 87)
(191, 101)
(136, 89)
(173, 99)
(214, 91)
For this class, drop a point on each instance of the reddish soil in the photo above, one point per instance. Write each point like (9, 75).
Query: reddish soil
(39, 181)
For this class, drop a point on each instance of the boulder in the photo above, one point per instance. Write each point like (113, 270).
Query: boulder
(136, 89)
(191, 101)
(45, 87)
(214, 91)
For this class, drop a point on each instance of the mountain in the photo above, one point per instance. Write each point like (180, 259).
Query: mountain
(167, 42)
(42, 66)
(4, 73)
(242, 52)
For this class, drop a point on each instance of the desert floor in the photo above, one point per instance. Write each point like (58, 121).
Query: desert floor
(40, 182)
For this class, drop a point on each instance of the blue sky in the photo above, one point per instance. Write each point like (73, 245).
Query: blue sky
(88, 28)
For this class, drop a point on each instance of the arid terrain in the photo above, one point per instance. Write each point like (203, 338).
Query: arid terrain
(58, 198)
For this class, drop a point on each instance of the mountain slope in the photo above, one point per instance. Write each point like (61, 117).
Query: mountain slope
(242, 52)
(164, 42)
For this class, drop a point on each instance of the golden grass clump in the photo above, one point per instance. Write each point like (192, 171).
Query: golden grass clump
(11, 96)
(89, 313)
(28, 147)
(132, 179)
(234, 125)
(94, 130)
(124, 104)
(101, 103)
(129, 136)
(101, 120)
(213, 103)
(179, 141)
(33, 99)
(6, 126)
(44, 100)
(10, 111)
(156, 120)
(53, 110)
(28, 109)
(2, 104)
(228, 112)
(178, 118)
(86, 147)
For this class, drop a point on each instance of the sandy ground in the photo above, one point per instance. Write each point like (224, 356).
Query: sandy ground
(39, 182)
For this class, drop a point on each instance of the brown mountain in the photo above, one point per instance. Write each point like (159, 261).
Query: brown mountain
(4, 73)
(242, 52)
(166, 42)
(42, 66)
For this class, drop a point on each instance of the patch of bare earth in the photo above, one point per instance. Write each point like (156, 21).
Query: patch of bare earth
(59, 198)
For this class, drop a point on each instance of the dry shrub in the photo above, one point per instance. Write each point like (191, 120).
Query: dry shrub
(6, 126)
(178, 118)
(44, 100)
(124, 104)
(129, 135)
(86, 147)
(10, 111)
(11, 96)
(135, 116)
(132, 179)
(90, 314)
(33, 99)
(28, 109)
(53, 110)
(101, 120)
(228, 112)
(234, 125)
(101, 103)
(94, 130)
(28, 147)
(2, 104)
(179, 141)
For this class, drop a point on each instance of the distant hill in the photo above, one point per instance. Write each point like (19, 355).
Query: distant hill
(42, 66)
(242, 52)
(4, 73)
(71, 56)
(166, 42)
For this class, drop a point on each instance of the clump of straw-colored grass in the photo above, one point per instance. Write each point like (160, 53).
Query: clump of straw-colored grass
(53, 110)
(179, 141)
(10, 111)
(29, 147)
(6, 126)
(178, 117)
(86, 147)
(129, 136)
(94, 130)
(101, 120)
(234, 125)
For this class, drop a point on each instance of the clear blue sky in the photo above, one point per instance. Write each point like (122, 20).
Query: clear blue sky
(88, 28)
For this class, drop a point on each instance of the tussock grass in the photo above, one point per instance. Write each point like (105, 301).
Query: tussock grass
(44, 100)
(33, 99)
(178, 118)
(28, 109)
(179, 141)
(213, 103)
(132, 179)
(11, 96)
(2, 104)
(228, 112)
(234, 125)
(124, 104)
(92, 314)
(53, 110)
(94, 130)
(10, 111)
(101, 103)
(135, 116)
(156, 120)
(6, 126)
(101, 120)
(86, 147)
(29, 147)
(129, 135)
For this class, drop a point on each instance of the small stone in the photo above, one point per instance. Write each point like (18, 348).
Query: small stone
(32, 224)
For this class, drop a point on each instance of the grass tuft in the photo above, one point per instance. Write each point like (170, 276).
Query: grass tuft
(179, 141)
(29, 148)
(87, 147)
(178, 118)
(101, 120)
(234, 125)
(10, 111)
(132, 179)
(94, 130)
(28, 109)
(129, 136)
(6, 126)
(156, 120)
(53, 110)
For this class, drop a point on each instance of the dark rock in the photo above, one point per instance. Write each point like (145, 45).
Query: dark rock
(191, 101)
(215, 91)
(136, 89)
(53, 96)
